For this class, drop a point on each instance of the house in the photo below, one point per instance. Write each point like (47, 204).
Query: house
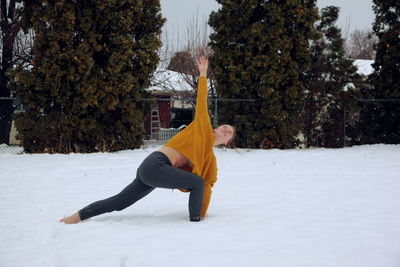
(159, 116)
(172, 106)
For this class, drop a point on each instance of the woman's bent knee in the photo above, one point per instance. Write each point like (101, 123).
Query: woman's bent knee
(199, 182)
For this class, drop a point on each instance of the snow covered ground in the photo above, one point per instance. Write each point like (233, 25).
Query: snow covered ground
(317, 207)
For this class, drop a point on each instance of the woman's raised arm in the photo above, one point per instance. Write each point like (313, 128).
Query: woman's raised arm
(202, 90)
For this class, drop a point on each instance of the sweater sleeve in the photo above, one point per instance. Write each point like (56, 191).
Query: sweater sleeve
(201, 100)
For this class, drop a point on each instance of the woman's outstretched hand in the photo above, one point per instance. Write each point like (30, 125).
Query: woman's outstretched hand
(203, 66)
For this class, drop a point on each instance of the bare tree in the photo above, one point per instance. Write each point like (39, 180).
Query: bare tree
(23, 49)
(361, 45)
(184, 60)
(177, 71)
(346, 29)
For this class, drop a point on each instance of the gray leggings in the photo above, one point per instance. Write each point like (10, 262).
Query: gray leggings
(155, 171)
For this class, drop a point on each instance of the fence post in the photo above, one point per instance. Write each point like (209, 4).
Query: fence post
(344, 126)
(215, 122)
(6, 115)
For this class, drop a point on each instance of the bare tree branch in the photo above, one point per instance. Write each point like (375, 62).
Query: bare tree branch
(23, 48)
(361, 45)
(346, 30)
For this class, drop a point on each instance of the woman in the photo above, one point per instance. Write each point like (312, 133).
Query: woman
(186, 162)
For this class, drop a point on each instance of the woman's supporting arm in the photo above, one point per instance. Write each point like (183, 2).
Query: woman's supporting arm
(206, 200)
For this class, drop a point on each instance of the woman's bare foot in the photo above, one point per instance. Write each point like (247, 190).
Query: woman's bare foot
(74, 218)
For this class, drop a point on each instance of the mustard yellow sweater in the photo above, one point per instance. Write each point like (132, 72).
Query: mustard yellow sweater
(196, 142)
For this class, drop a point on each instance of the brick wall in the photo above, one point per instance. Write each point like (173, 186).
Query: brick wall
(164, 112)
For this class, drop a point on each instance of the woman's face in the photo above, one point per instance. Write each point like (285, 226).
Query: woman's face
(224, 132)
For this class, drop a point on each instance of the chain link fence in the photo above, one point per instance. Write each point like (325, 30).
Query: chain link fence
(168, 116)
(9, 107)
(383, 116)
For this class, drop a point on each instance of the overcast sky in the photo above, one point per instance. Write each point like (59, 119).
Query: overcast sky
(357, 14)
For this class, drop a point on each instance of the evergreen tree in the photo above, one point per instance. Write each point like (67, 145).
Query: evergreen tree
(261, 51)
(332, 85)
(380, 120)
(90, 59)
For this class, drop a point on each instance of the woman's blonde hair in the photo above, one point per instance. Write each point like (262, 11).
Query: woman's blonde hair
(231, 142)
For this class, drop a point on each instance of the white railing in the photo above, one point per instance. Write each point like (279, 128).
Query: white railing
(167, 133)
